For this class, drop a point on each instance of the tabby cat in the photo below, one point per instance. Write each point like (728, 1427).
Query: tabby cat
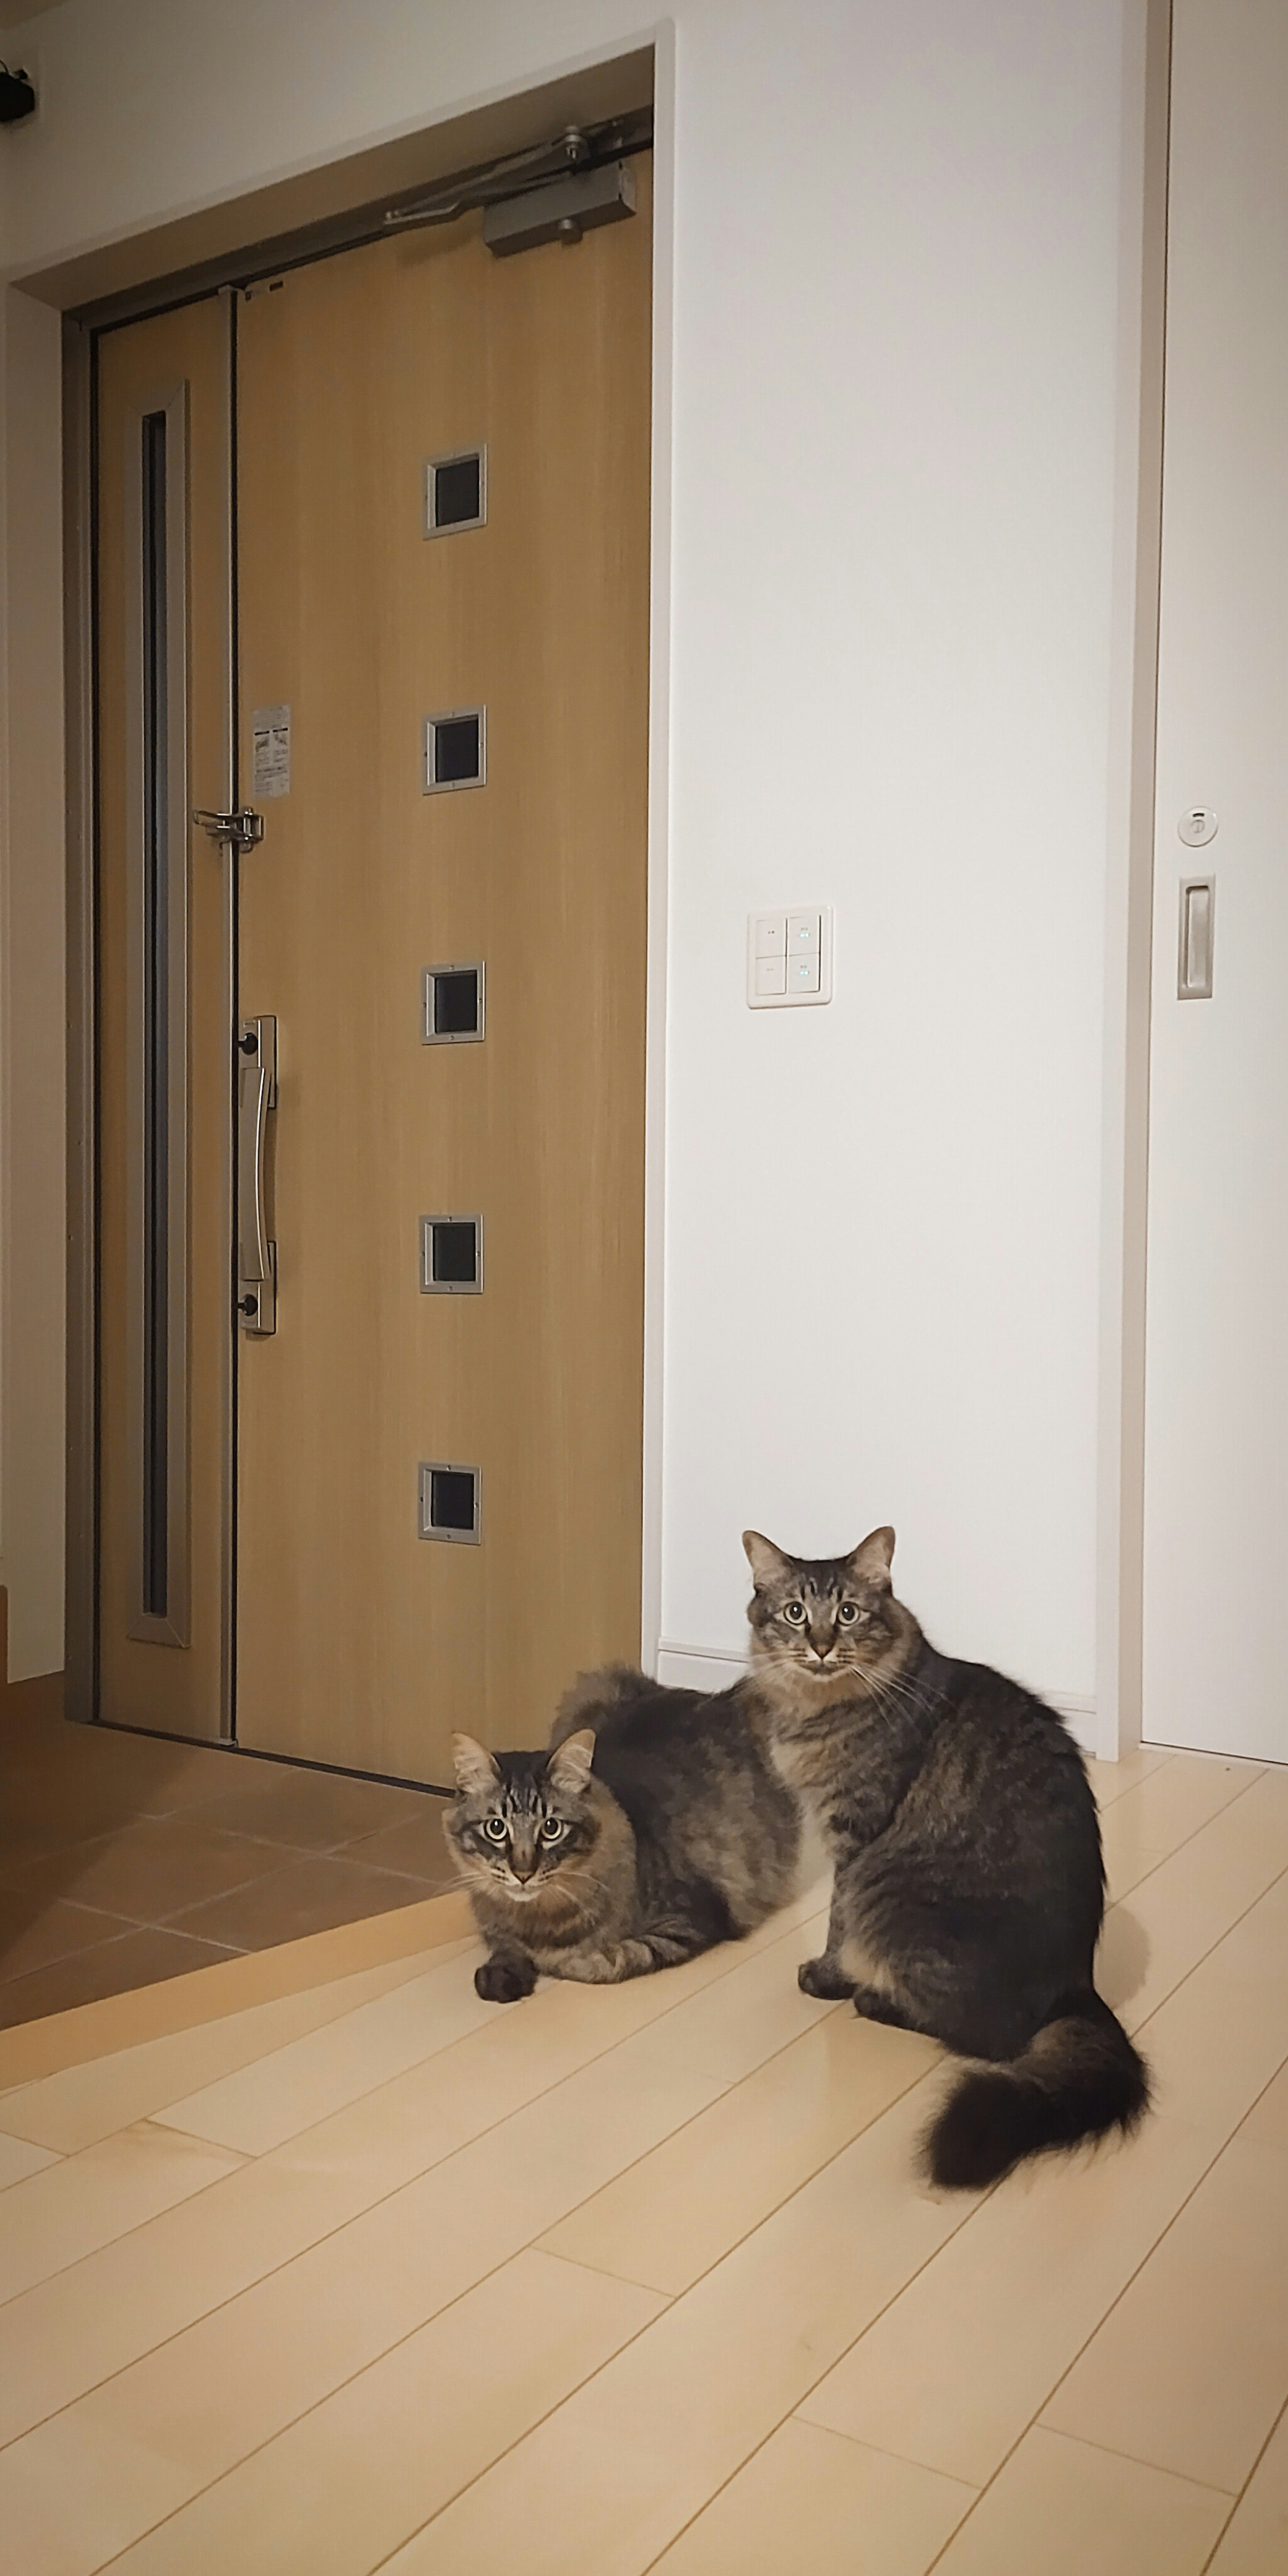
(653, 1826)
(969, 1886)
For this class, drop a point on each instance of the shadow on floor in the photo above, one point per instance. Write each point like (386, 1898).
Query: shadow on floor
(125, 1859)
(1122, 1958)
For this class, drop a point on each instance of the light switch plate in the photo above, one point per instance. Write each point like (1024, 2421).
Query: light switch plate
(797, 939)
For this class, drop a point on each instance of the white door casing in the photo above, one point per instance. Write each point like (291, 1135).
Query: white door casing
(1216, 1430)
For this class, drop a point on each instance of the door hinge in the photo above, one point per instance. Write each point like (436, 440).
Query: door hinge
(240, 831)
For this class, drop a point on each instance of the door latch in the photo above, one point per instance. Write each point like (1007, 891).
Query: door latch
(256, 1251)
(239, 831)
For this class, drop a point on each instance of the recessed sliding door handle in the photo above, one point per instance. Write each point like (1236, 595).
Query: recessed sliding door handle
(256, 1251)
(1194, 963)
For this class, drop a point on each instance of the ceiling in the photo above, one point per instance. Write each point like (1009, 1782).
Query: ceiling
(15, 13)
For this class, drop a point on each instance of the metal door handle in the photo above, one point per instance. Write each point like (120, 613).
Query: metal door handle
(253, 1220)
(256, 1251)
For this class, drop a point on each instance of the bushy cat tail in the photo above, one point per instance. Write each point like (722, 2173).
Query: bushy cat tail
(1078, 2078)
(594, 1695)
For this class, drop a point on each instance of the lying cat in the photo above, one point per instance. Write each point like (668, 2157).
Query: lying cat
(969, 1887)
(654, 1826)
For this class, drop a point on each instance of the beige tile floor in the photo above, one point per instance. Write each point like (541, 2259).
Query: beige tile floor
(611, 2281)
(125, 1860)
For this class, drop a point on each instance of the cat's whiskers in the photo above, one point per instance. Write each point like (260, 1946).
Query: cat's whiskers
(890, 1694)
(886, 1691)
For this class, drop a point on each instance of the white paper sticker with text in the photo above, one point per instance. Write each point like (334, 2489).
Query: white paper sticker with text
(271, 758)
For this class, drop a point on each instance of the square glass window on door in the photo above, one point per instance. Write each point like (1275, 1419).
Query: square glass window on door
(455, 750)
(451, 1256)
(450, 1502)
(456, 492)
(453, 1005)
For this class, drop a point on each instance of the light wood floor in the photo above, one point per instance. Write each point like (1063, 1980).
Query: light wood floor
(381, 2276)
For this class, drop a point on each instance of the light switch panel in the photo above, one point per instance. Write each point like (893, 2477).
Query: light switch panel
(789, 957)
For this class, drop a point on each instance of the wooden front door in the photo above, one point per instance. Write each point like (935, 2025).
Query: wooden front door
(436, 1040)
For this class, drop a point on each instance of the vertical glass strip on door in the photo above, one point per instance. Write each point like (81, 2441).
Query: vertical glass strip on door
(156, 684)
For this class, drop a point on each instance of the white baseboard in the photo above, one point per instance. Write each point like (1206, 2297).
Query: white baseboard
(1079, 1716)
(713, 1668)
(705, 1668)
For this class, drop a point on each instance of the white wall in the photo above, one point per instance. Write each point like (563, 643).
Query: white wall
(895, 342)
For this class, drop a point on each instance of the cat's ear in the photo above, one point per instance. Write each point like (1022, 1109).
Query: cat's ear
(569, 1764)
(768, 1563)
(870, 1561)
(476, 1771)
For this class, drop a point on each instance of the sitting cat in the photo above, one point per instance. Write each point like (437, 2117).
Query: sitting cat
(654, 1826)
(969, 1886)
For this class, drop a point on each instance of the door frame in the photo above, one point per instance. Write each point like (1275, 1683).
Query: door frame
(239, 240)
(1129, 875)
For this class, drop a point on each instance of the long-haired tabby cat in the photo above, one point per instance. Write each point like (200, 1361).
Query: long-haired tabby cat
(969, 1887)
(654, 1825)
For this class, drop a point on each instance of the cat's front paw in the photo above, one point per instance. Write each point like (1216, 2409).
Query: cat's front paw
(505, 1980)
(823, 1979)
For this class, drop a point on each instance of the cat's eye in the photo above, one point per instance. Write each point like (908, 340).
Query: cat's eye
(795, 1611)
(847, 1614)
(552, 1831)
(496, 1829)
